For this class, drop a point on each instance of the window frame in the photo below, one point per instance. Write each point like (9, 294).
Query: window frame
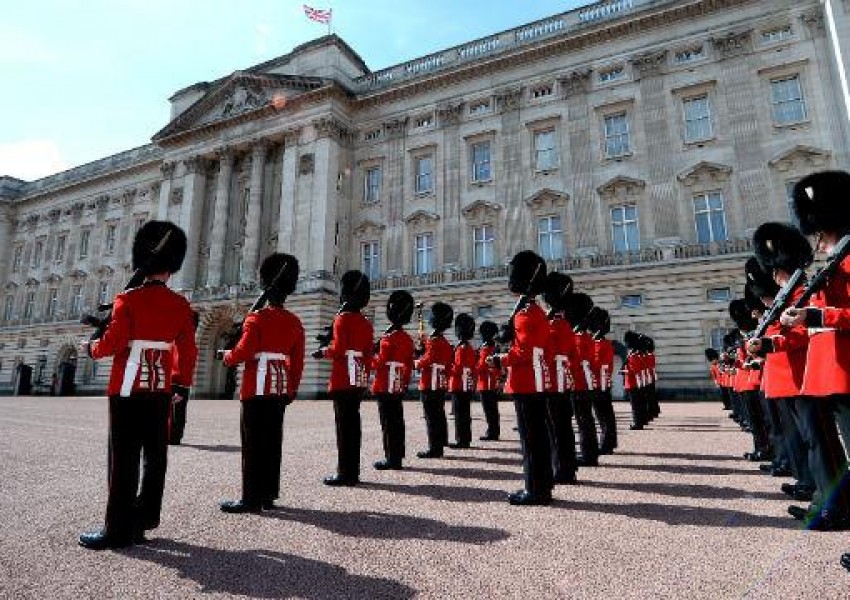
(550, 235)
(607, 142)
(418, 174)
(777, 105)
(553, 150)
(486, 244)
(631, 306)
(624, 224)
(474, 173)
(109, 238)
(373, 271)
(368, 189)
(85, 240)
(426, 250)
(708, 119)
(29, 305)
(8, 307)
(708, 211)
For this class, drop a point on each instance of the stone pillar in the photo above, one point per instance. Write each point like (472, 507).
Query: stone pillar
(289, 173)
(191, 220)
(219, 226)
(6, 234)
(167, 169)
(508, 177)
(253, 213)
(449, 190)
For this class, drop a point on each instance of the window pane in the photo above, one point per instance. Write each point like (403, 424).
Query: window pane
(703, 228)
(718, 226)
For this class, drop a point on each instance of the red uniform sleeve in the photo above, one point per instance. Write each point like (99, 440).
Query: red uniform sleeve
(792, 339)
(247, 346)
(522, 350)
(427, 359)
(333, 349)
(117, 335)
(296, 357)
(187, 352)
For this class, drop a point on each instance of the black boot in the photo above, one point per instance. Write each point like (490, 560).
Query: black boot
(239, 506)
(339, 480)
(100, 540)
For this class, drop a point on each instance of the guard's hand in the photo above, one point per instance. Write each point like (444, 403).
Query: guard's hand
(179, 393)
(318, 354)
(495, 361)
(754, 346)
(793, 317)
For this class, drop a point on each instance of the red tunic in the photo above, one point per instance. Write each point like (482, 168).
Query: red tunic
(630, 370)
(462, 376)
(564, 355)
(785, 366)
(526, 361)
(604, 362)
(828, 358)
(394, 361)
(271, 330)
(435, 364)
(651, 364)
(351, 352)
(151, 313)
(487, 379)
(584, 371)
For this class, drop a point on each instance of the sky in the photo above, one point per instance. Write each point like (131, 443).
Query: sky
(83, 79)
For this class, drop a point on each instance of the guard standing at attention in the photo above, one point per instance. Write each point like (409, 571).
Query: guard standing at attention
(462, 380)
(433, 365)
(487, 380)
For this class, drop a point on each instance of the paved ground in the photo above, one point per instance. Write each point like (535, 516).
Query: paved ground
(675, 514)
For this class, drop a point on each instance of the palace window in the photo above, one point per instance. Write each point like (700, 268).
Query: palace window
(631, 301)
(616, 135)
(720, 294)
(29, 305)
(481, 162)
(777, 35)
(76, 300)
(109, 241)
(545, 150)
(60, 247)
(612, 75)
(543, 91)
(102, 292)
(479, 108)
(424, 254)
(7, 308)
(16, 258)
(550, 237)
(697, 119)
(710, 218)
(36, 254)
(424, 182)
(52, 302)
(716, 337)
(424, 121)
(85, 235)
(372, 185)
(371, 259)
(690, 55)
(624, 228)
(374, 134)
(786, 98)
(483, 245)
(484, 311)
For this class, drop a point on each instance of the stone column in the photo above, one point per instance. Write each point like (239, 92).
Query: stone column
(6, 234)
(219, 227)
(191, 219)
(449, 190)
(167, 169)
(287, 192)
(253, 213)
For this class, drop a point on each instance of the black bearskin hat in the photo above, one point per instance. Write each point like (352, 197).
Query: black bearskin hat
(758, 281)
(464, 327)
(278, 276)
(441, 316)
(400, 307)
(354, 290)
(711, 354)
(557, 290)
(632, 340)
(528, 273)
(753, 299)
(577, 308)
(731, 338)
(820, 202)
(488, 330)
(506, 333)
(159, 247)
(650, 344)
(600, 323)
(740, 314)
(782, 246)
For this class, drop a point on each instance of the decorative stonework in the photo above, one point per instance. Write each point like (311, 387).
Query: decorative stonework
(577, 82)
(547, 200)
(102, 201)
(421, 218)
(78, 274)
(450, 114)
(621, 187)
(291, 138)
(306, 164)
(128, 197)
(369, 229)
(481, 210)
(167, 170)
(509, 99)
(814, 20)
(105, 271)
(734, 44)
(800, 158)
(649, 65)
(193, 164)
(243, 98)
(396, 128)
(705, 172)
(176, 196)
(53, 215)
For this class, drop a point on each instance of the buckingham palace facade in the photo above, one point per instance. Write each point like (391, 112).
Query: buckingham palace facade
(636, 144)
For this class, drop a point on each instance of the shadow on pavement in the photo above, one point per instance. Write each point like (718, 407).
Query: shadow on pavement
(684, 469)
(682, 515)
(266, 574)
(492, 460)
(374, 525)
(683, 490)
(443, 492)
(672, 455)
(210, 448)
(478, 474)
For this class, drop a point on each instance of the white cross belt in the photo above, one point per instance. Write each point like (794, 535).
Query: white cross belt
(263, 359)
(134, 361)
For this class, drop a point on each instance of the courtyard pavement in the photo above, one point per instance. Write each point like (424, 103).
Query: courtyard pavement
(674, 514)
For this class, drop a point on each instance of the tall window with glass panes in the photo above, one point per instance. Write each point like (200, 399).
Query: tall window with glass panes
(424, 181)
(8, 305)
(550, 237)
(697, 119)
(787, 103)
(624, 228)
(423, 260)
(372, 185)
(710, 218)
(370, 259)
(617, 142)
(76, 300)
(480, 155)
(483, 246)
(545, 151)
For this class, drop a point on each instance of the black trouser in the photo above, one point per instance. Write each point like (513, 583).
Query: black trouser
(775, 432)
(562, 438)
(638, 407)
(841, 409)
(794, 445)
(534, 438)
(724, 398)
(177, 422)
(603, 406)
(463, 419)
(138, 428)
(653, 408)
(262, 439)
(738, 411)
(348, 432)
(391, 412)
(758, 421)
(827, 460)
(434, 407)
(490, 405)
(583, 410)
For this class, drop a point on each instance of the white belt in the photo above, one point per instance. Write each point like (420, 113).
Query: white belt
(817, 330)
(465, 382)
(353, 371)
(537, 358)
(134, 362)
(562, 372)
(395, 369)
(588, 375)
(436, 370)
(603, 378)
(263, 359)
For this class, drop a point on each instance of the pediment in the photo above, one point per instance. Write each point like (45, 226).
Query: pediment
(105, 271)
(705, 172)
(481, 209)
(240, 96)
(369, 228)
(621, 185)
(800, 156)
(547, 199)
(78, 274)
(54, 278)
(32, 281)
(421, 217)
(11, 286)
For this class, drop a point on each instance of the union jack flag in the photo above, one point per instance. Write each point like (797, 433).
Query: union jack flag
(317, 14)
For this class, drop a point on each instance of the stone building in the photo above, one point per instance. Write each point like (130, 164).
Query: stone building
(635, 143)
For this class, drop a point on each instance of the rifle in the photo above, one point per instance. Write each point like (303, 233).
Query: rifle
(138, 278)
(780, 302)
(327, 337)
(507, 331)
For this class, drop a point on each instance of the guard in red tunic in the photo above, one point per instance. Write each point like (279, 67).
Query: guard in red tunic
(604, 363)
(393, 366)
(559, 288)
(177, 418)
(650, 376)
(462, 380)
(716, 374)
(487, 380)
(147, 322)
(528, 377)
(272, 349)
(350, 350)
(578, 309)
(820, 203)
(631, 380)
(433, 367)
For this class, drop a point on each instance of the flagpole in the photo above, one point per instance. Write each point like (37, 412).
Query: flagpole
(330, 18)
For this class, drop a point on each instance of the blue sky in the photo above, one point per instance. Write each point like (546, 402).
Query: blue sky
(83, 79)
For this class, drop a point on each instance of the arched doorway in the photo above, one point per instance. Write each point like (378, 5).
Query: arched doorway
(213, 379)
(222, 378)
(62, 380)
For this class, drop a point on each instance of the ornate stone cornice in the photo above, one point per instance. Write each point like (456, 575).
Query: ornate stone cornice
(547, 199)
(329, 127)
(508, 100)
(54, 278)
(814, 20)
(105, 271)
(167, 170)
(481, 209)
(369, 228)
(421, 217)
(193, 164)
(450, 114)
(704, 171)
(78, 274)
(649, 65)
(801, 157)
(734, 44)
(620, 186)
(576, 82)
(396, 128)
